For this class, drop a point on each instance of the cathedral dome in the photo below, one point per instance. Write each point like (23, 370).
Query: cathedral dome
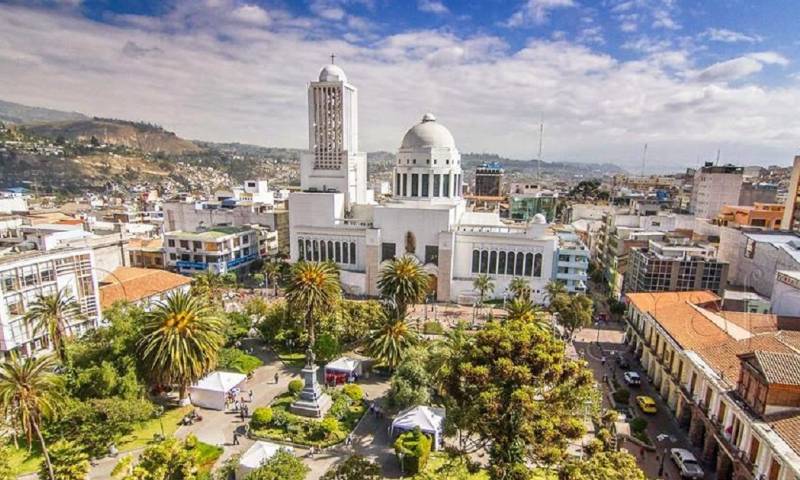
(539, 219)
(428, 134)
(332, 73)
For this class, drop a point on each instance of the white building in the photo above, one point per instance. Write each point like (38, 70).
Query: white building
(572, 267)
(334, 217)
(713, 187)
(218, 249)
(786, 293)
(26, 276)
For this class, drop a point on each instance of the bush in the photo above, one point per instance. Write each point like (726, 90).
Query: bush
(353, 391)
(261, 418)
(235, 360)
(280, 418)
(340, 407)
(621, 395)
(416, 448)
(191, 442)
(296, 386)
(638, 425)
(432, 328)
(330, 426)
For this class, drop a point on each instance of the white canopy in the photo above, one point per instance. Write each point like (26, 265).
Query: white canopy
(430, 420)
(345, 364)
(211, 390)
(255, 456)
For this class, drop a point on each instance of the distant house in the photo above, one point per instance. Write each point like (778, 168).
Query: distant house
(140, 286)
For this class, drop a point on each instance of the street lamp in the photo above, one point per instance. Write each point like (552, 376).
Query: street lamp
(401, 455)
(160, 412)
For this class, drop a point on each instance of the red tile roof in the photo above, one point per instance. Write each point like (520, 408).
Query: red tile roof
(135, 284)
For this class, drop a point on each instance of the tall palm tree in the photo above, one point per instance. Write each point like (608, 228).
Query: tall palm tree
(207, 283)
(404, 282)
(51, 315)
(520, 288)
(273, 271)
(484, 285)
(180, 342)
(523, 309)
(555, 288)
(391, 341)
(30, 392)
(313, 287)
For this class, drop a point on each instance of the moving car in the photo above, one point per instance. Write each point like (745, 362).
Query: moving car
(646, 404)
(622, 360)
(632, 378)
(686, 463)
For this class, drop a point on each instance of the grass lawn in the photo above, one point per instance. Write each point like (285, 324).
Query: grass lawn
(207, 455)
(23, 462)
(443, 467)
(144, 434)
(293, 359)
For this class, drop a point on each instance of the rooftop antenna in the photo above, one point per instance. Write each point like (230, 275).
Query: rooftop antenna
(333, 57)
(644, 159)
(717, 161)
(539, 159)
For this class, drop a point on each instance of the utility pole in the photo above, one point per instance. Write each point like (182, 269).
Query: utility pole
(644, 159)
(539, 160)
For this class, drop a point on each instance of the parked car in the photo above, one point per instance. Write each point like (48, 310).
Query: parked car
(686, 462)
(646, 404)
(622, 360)
(632, 378)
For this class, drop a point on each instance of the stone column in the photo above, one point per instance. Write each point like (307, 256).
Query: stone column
(710, 447)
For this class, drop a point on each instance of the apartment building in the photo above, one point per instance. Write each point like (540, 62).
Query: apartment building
(24, 277)
(791, 214)
(713, 187)
(488, 180)
(146, 253)
(768, 216)
(675, 265)
(218, 249)
(572, 263)
(731, 379)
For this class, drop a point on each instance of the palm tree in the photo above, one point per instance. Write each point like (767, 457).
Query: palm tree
(180, 342)
(525, 310)
(484, 285)
(207, 283)
(51, 316)
(391, 341)
(313, 287)
(404, 282)
(273, 271)
(30, 392)
(520, 288)
(555, 288)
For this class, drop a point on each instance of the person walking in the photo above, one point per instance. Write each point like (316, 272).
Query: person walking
(276, 378)
(235, 438)
(251, 395)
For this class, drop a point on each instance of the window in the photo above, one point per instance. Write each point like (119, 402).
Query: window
(330, 250)
(171, 242)
(476, 261)
(425, 181)
(397, 184)
(353, 253)
(437, 179)
(415, 185)
(518, 267)
(308, 250)
(338, 248)
(446, 192)
(484, 261)
(246, 239)
(301, 249)
(432, 254)
(345, 253)
(510, 266)
(48, 275)
(315, 246)
(323, 250)
(501, 263)
(172, 256)
(563, 258)
(199, 258)
(528, 264)
(184, 244)
(197, 245)
(388, 251)
(15, 305)
(493, 262)
(405, 184)
(186, 257)
(537, 265)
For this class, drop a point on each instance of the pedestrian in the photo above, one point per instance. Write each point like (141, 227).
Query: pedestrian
(251, 395)
(603, 360)
(276, 378)
(235, 438)
(241, 414)
(246, 411)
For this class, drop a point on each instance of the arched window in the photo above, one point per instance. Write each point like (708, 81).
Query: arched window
(301, 249)
(338, 252)
(476, 261)
(330, 250)
(308, 250)
(484, 261)
(518, 267)
(322, 250)
(510, 266)
(537, 265)
(353, 252)
(316, 251)
(501, 263)
(528, 264)
(345, 253)
(493, 262)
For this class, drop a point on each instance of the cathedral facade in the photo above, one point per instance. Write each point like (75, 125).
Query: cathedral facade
(336, 218)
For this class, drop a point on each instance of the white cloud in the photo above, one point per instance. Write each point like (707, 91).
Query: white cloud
(207, 75)
(729, 36)
(252, 14)
(327, 10)
(432, 6)
(536, 12)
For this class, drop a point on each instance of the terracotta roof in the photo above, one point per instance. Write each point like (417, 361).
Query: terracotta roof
(724, 356)
(787, 425)
(762, 322)
(779, 367)
(135, 284)
(679, 315)
(152, 244)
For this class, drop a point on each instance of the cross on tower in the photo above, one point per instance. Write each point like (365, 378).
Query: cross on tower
(333, 57)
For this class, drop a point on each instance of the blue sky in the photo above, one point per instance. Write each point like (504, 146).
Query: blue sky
(686, 77)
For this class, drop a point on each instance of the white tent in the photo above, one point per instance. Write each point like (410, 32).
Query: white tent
(211, 390)
(255, 456)
(430, 420)
(346, 365)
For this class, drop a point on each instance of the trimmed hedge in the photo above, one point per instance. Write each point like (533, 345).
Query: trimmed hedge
(296, 386)
(416, 448)
(353, 391)
(432, 328)
(262, 417)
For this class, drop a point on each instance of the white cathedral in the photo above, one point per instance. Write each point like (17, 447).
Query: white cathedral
(335, 216)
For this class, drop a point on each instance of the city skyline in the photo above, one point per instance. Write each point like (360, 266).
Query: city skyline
(605, 77)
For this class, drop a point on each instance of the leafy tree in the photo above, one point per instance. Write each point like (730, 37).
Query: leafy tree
(605, 465)
(390, 342)
(404, 282)
(70, 462)
(355, 467)
(574, 311)
(237, 326)
(29, 394)
(180, 342)
(411, 382)
(555, 288)
(351, 321)
(326, 347)
(281, 466)
(520, 288)
(484, 285)
(166, 460)
(7, 470)
(273, 270)
(235, 360)
(115, 343)
(313, 288)
(513, 388)
(415, 447)
(259, 279)
(51, 315)
(208, 284)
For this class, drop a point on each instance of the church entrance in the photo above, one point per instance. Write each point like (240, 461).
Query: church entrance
(433, 286)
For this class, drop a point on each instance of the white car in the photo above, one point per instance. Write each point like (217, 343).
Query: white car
(632, 378)
(686, 462)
